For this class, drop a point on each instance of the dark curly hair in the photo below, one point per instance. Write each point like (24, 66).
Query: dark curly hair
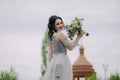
(51, 25)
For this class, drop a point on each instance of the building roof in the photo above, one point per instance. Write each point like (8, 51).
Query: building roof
(82, 67)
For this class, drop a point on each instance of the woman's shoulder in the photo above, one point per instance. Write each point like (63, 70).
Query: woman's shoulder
(61, 33)
(57, 35)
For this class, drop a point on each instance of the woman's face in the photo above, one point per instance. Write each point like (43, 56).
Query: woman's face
(58, 24)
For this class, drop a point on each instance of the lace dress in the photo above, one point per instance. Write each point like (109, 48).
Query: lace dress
(59, 67)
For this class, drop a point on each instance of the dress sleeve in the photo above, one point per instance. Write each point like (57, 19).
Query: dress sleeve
(66, 41)
(73, 43)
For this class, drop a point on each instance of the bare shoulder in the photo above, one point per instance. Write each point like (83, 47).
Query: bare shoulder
(60, 36)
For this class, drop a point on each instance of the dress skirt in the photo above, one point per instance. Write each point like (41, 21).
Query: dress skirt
(59, 68)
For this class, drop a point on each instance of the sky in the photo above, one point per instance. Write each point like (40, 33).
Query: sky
(23, 24)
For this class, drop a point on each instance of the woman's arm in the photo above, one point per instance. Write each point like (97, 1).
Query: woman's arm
(69, 45)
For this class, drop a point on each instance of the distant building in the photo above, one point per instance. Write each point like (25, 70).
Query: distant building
(82, 67)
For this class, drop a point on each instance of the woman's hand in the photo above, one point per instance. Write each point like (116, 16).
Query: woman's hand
(80, 34)
(84, 32)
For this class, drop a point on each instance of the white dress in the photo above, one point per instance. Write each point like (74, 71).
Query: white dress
(59, 67)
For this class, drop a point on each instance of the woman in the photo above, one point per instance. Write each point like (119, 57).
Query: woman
(59, 67)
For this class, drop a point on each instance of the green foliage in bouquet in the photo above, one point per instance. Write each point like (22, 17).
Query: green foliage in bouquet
(8, 75)
(74, 28)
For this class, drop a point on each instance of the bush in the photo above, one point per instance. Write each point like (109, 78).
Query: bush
(92, 77)
(114, 76)
(8, 75)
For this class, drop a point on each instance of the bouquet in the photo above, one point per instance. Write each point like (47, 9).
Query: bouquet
(75, 28)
